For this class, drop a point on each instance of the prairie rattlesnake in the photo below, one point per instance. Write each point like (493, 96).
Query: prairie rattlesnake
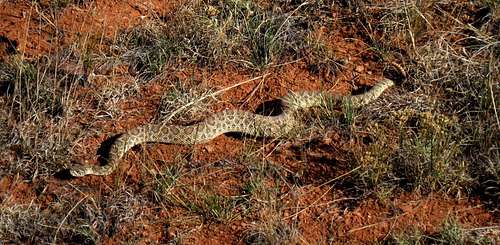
(227, 121)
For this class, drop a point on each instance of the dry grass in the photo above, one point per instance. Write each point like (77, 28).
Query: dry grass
(437, 131)
(185, 102)
(38, 104)
(444, 117)
(220, 33)
(451, 233)
(74, 218)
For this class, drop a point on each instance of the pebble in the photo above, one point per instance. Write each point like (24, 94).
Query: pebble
(209, 149)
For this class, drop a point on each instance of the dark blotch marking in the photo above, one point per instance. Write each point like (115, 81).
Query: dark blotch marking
(64, 175)
(394, 74)
(104, 150)
(361, 90)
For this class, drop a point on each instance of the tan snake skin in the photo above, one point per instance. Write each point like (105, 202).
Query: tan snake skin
(227, 121)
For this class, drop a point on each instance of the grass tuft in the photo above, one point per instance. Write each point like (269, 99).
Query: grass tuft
(437, 131)
(452, 232)
(217, 33)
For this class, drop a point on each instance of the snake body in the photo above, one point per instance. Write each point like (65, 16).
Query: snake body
(227, 121)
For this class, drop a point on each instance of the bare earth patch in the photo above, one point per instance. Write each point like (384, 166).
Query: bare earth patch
(411, 167)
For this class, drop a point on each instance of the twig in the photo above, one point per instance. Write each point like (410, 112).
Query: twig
(490, 84)
(329, 189)
(65, 217)
(483, 228)
(212, 94)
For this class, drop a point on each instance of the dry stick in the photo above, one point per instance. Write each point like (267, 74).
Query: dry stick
(387, 220)
(319, 198)
(213, 94)
(378, 223)
(490, 84)
(312, 204)
(370, 225)
(65, 217)
(252, 93)
(409, 28)
(495, 227)
(303, 241)
(44, 17)
(286, 20)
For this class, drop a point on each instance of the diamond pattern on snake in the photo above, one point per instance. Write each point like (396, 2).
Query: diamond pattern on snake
(225, 122)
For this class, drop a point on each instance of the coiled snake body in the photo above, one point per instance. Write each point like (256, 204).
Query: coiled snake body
(227, 121)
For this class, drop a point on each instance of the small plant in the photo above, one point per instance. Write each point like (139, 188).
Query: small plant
(217, 33)
(266, 36)
(451, 233)
(149, 49)
(252, 186)
(220, 208)
(321, 58)
(215, 207)
(411, 238)
(269, 232)
(428, 156)
(167, 181)
(348, 113)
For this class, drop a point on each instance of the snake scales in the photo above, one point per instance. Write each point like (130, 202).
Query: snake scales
(227, 121)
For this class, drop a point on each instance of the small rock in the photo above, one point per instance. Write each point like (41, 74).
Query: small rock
(209, 149)
(359, 68)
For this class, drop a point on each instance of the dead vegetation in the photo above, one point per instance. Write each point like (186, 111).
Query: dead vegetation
(446, 138)
(437, 132)
(452, 233)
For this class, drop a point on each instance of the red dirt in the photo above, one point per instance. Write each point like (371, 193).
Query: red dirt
(372, 221)
(317, 214)
(28, 25)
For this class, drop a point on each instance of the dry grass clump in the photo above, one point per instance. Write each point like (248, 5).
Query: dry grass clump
(147, 48)
(436, 133)
(216, 33)
(185, 101)
(58, 4)
(178, 186)
(270, 232)
(451, 232)
(36, 102)
(86, 221)
(32, 93)
(262, 193)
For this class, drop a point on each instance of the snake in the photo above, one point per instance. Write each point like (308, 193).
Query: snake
(228, 121)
